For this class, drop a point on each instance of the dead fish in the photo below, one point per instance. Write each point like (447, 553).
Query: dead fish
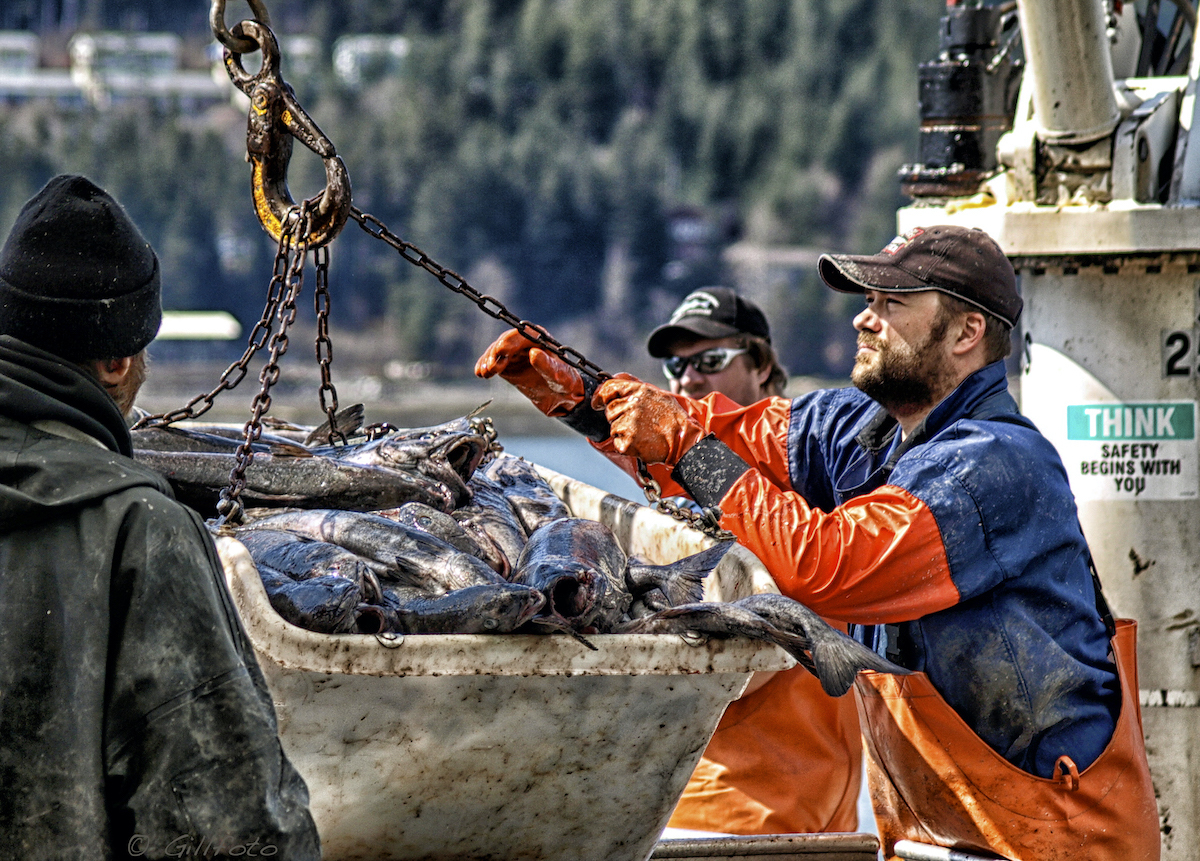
(580, 568)
(323, 604)
(447, 454)
(490, 519)
(437, 523)
(676, 583)
(302, 482)
(491, 608)
(428, 465)
(836, 655)
(303, 558)
(394, 551)
(210, 438)
(589, 582)
(529, 495)
(835, 663)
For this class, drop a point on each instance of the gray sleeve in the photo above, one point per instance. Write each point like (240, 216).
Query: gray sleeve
(585, 419)
(192, 747)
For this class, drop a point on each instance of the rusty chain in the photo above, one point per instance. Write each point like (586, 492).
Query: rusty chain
(287, 282)
(294, 237)
(706, 520)
(240, 44)
(236, 372)
(327, 394)
(488, 304)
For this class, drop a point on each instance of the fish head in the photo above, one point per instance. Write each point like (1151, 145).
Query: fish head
(445, 455)
(511, 607)
(569, 587)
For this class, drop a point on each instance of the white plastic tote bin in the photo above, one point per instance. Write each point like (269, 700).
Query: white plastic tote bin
(506, 746)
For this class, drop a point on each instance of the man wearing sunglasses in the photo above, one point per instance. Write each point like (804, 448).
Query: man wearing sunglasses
(787, 733)
(920, 506)
(716, 341)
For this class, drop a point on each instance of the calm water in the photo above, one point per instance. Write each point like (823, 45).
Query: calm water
(574, 457)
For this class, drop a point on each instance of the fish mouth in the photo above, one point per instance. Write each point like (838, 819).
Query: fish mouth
(453, 463)
(464, 455)
(568, 596)
(534, 606)
(370, 619)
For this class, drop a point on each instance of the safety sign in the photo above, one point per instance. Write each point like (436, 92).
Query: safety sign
(1128, 451)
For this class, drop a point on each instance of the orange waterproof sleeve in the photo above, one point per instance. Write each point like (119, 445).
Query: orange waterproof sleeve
(875, 559)
(756, 433)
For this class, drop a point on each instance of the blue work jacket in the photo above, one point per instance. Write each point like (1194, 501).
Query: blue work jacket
(1023, 656)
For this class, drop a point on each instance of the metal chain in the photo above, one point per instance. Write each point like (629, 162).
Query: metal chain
(327, 395)
(488, 304)
(242, 45)
(236, 372)
(294, 238)
(295, 235)
(707, 520)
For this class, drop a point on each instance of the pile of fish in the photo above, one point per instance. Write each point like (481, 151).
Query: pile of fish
(295, 467)
(437, 530)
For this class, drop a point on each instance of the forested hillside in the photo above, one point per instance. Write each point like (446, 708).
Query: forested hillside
(541, 148)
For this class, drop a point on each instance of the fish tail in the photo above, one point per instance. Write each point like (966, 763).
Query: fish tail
(349, 421)
(839, 659)
(684, 586)
(682, 582)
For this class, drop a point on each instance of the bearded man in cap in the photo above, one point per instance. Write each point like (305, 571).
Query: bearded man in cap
(134, 719)
(923, 508)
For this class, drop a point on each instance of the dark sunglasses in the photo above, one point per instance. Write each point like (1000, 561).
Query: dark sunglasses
(707, 362)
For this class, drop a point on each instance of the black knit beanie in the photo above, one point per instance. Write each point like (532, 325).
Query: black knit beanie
(77, 278)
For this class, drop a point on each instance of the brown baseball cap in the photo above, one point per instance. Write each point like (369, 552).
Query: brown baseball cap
(963, 262)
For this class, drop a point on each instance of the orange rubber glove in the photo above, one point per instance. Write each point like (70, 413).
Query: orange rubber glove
(551, 384)
(646, 422)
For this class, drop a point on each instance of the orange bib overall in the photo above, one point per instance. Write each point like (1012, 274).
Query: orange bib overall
(786, 758)
(933, 780)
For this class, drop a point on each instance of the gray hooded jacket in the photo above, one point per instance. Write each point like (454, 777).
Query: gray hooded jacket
(134, 719)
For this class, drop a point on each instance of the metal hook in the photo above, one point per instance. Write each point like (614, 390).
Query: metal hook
(216, 20)
(276, 118)
(1066, 773)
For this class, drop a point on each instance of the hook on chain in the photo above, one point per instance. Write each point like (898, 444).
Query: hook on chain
(239, 44)
(275, 118)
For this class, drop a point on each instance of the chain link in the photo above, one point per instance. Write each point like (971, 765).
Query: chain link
(707, 520)
(240, 44)
(488, 304)
(327, 395)
(236, 372)
(293, 245)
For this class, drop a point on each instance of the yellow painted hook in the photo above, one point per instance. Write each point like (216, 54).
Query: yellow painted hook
(275, 118)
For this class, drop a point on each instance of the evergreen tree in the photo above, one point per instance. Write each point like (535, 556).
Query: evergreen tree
(541, 143)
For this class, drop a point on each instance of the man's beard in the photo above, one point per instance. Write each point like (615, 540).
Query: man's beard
(904, 378)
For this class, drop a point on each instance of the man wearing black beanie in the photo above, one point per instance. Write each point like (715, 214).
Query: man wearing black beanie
(134, 719)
